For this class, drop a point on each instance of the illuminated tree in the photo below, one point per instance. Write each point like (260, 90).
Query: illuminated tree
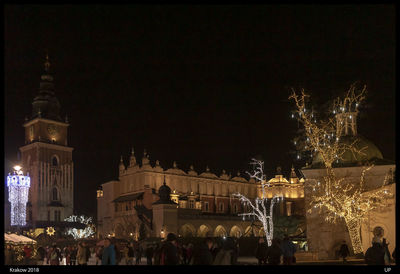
(337, 198)
(88, 231)
(260, 207)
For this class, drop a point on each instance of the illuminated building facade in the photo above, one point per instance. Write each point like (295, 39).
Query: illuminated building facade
(187, 204)
(48, 158)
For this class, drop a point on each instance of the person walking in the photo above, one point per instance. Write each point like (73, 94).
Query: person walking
(225, 255)
(385, 245)
(149, 254)
(54, 256)
(375, 255)
(288, 250)
(261, 252)
(189, 252)
(344, 251)
(73, 254)
(274, 253)
(27, 254)
(81, 254)
(99, 253)
(9, 255)
(138, 254)
(202, 255)
(169, 252)
(109, 256)
(131, 254)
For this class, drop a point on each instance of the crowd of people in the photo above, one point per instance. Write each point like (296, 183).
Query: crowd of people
(173, 252)
(279, 251)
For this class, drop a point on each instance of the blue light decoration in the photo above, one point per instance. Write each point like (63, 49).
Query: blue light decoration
(18, 191)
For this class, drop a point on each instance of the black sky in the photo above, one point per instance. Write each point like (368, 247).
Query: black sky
(202, 85)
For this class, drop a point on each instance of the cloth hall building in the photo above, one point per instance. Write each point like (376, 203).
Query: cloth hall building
(185, 203)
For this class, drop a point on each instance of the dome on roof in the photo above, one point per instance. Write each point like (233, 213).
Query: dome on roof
(370, 153)
(164, 191)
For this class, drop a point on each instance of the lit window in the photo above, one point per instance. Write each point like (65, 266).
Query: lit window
(191, 203)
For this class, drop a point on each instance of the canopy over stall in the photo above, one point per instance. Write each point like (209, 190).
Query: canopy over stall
(17, 239)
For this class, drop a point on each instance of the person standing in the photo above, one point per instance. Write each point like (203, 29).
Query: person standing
(344, 251)
(169, 253)
(225, 255)
(81, 254)
(288, 250)
(109, 255)
(385, 245)
(99, 252)
(149, 254)
(189, 252)
(9, 255)
(54, 256)
(274, 253)
(261, 252)
(27, 254)
(73, 254)
(131, 254)
(375, 255)
(202, 254)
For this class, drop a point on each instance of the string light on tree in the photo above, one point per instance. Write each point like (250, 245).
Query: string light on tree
(18, 191)
(88, 231)
(260, 207)
(338, 198)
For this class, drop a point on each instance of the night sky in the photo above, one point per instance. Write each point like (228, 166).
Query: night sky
(201, 85)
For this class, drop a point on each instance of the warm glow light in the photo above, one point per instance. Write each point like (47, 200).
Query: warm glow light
(338, 198)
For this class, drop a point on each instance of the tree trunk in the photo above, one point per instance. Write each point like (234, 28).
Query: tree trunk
(353, 225)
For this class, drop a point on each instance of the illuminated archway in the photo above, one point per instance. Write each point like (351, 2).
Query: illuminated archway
(220, 231)
(187, 230)
(235, 232)
(204, 231)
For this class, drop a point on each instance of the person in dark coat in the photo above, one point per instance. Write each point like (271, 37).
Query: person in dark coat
(202, 254)
(288, 250)
(9, 255)
(274, 253)
(375, 255)
(169, 254)
(344, 251)
(261, 252)
(149, 254)
(385, 246)
(225, 255)
(108, 257)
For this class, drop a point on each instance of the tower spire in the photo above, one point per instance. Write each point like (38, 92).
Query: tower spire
(47, 62)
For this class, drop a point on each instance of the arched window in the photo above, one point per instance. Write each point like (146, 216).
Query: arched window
(55, 194)
(54, 161)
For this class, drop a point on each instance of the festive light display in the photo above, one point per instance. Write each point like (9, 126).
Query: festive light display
(88, 231)
(339, 198)
(50, 231)
(18, 191)
(259, 208)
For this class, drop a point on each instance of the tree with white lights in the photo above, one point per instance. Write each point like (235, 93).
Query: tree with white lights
(335, 197)
(260, 207)
(88, 231)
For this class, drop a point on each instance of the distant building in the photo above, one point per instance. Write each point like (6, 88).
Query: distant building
(324, 238)
(48, 159)
(185, 203)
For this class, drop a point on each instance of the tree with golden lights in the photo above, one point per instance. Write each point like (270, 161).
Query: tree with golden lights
(259, 208)
(335, 197)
